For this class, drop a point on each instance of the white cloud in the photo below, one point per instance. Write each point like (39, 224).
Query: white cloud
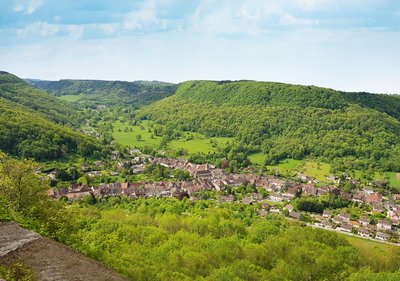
(252, 17)
(145, 17)
(28, 7)
(43, 29)
(287, 19)
(312, 4)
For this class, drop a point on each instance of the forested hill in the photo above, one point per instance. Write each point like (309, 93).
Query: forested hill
(283, 121)
(31, 123)
(280, 94)
(16, 90)
(108, 92)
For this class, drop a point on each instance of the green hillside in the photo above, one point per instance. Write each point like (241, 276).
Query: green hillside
(97, 92)
(31, 123)
(18, 91)
(289, 121)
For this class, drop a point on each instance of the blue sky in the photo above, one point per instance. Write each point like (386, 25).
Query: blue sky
(343, 44)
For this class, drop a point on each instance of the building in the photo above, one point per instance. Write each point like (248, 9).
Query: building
(327, 213)
(345, 227)
(276, 197)
(382, 236)
(384, 224)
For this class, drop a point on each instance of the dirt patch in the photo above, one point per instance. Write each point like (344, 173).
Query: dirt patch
(13, 237)
(52, 261)
(398, 176)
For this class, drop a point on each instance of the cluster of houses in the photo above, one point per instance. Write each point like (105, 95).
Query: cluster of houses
(207, 177)
(382, 230)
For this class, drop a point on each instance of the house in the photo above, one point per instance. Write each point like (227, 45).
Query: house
(274, 210)
(355, 224)
(358, 197)
(296, 215)
(265, 206)
(309, 189)
(256, 196)
(289, 207)
(262, 213)
(293, 190)
(327, 224)
(346, 195)
(377, 209)
(226, 198)
(346, 227)
(382, 236)
(303, 177)
(337, 219)
(202, 171)
(276, 197)
(327, 213)
(368, 190)
(364, 220)
(248, 200)
(332, 178)
(384, 224)
(134, 151)
(373, 198)
(364, 232)
(344, 216)
(94, 173)
(288, 196)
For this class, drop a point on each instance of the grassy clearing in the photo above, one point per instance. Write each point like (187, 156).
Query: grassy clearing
(367, 246)
(70, 98)
(319, 171)
(258, 158)
(126, 134)
(393, 179)
(199, 143)
(391, 176)
(288, 167)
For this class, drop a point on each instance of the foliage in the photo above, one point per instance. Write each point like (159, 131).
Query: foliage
(286, 121)
(17, 91)
(167, 239)
(110, 93)
(24, 199)
(28, 124)
(17, 271)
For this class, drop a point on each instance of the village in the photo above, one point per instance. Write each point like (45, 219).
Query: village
(275, 198)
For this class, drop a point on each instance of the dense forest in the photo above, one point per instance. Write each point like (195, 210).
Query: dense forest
(36, 125)
(168, 239)
(95, 92)
(288, 121)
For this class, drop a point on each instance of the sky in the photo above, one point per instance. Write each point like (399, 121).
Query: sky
(351, 45)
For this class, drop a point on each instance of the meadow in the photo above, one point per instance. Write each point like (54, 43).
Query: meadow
(199, 143)
(135, 136)
(71, 98)
(126, 134)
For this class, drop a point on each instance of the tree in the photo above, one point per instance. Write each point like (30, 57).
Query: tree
(20, 186)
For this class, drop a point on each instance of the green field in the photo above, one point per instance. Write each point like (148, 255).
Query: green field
(391, 176)
(70, 98)
(288, 167)
(126, 134)
(366, 245)
(199, 143)
(257, 158)
(319, 171)
(393, 179)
